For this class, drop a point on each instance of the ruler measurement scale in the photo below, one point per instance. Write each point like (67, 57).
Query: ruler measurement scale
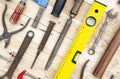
(83, 35)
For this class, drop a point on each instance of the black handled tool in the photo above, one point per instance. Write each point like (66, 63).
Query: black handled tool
(44, 40)
(73, 13)
(58, 7)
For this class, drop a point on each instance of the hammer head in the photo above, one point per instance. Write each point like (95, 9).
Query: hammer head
(20, 76)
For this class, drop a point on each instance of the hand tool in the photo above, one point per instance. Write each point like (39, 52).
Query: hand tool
(44, 40)
(20, 76)
(58, 7)
(83, 69)
(18, 11)
(112, 77)
(82, 37)
(107, 57)
(7, 35)
(43, 4)
(68, 23)
(5, 58)
(119, 1)
(109, 18)
(21, 51)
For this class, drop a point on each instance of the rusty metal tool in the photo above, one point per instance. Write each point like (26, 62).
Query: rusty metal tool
(68, 23)
(119, 1)
(109, 18)
(5, 58)
(58, 7)
(7, 35)
(108, 55)
(43, 5)
(18, 11)
(83, 69)
(25, 44)
(20, 76)
(44, 40)
(112, 77)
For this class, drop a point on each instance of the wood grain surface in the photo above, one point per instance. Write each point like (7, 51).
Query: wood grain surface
(38, 70)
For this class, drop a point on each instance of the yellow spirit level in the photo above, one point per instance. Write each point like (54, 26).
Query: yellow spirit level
(83, 35)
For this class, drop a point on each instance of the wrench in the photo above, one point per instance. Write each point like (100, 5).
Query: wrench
(109, 18)
(23, 48)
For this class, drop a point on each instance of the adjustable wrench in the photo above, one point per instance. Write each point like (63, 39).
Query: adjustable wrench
(109, 18)
(23, 48)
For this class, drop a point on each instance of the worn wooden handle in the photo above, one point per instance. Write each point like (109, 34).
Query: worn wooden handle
(106, 58)
(76, 6)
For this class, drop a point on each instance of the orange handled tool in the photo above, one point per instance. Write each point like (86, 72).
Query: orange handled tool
(106, 58)
(18, 11)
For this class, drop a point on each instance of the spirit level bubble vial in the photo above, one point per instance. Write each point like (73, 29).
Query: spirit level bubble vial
(82, 37)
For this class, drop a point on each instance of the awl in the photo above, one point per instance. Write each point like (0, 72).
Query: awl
(43, 4)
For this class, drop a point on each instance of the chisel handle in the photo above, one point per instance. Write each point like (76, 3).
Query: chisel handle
(58, 7)
(108, 55)
(76, 6)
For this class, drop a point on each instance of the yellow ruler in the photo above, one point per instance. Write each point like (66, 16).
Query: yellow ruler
(83, 35)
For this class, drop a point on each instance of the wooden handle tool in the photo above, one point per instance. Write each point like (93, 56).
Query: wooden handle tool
(108, 55)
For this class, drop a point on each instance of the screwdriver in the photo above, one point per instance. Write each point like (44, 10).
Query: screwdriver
(43, 4)
(44, 40)
(68, 23)
(18, 11)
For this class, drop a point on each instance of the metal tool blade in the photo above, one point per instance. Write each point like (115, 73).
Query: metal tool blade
(59, 42)
(38, 17)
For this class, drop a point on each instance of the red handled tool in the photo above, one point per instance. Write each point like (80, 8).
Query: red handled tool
(20, 76)
(18, 11)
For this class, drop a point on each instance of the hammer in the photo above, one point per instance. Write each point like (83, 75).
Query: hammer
(24, 72)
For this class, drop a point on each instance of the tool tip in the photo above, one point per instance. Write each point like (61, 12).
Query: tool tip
(46, 67)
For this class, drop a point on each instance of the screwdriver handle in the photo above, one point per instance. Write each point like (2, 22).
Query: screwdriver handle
(106, 58)
(18, 11)
(58, 7)
(76, 6)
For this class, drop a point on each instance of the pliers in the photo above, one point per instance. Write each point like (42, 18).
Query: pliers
(7, 35)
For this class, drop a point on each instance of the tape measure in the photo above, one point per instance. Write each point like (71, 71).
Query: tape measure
(83, 35)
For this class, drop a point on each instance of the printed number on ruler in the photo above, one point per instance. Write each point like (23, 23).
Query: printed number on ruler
(83, 35)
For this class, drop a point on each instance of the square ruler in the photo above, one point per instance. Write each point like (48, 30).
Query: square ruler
(81, 39)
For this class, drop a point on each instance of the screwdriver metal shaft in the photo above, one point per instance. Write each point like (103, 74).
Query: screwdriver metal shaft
(44, 40)
(73, 13)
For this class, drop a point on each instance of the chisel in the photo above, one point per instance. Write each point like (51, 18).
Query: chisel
(68, 23)
(108, 55)
(43, 4)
